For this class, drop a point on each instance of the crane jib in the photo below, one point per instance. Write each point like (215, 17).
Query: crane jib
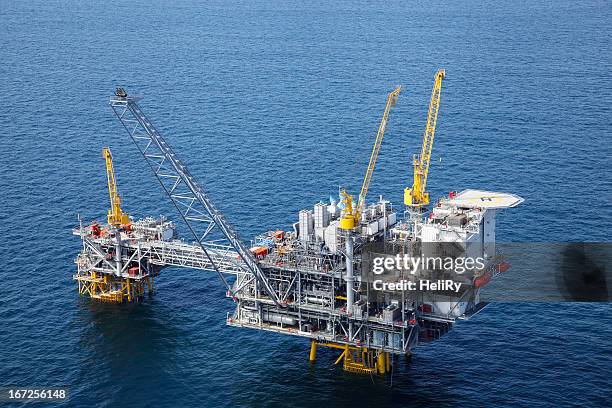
(417, 195)
(391, 101)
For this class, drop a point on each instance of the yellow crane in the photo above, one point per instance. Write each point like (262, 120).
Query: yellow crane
(116, 216)
(349, 218)
(416, 196)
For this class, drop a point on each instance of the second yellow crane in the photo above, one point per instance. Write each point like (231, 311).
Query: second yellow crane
(416, 196)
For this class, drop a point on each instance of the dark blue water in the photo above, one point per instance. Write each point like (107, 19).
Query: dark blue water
(273, 106)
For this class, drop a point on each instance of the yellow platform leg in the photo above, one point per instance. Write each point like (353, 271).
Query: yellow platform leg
(381, 363)
(313, 351)
(388, 362)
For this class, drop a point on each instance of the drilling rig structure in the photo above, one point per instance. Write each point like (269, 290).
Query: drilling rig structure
(313, 280)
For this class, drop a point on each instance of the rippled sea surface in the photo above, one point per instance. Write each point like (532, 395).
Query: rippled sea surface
(273, 105)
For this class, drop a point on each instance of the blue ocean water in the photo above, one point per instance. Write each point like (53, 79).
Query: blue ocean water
(273, 105)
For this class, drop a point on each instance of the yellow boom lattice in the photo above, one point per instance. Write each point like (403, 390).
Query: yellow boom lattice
(417, 196)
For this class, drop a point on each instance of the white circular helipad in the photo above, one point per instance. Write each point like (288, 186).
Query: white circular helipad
(484, 199)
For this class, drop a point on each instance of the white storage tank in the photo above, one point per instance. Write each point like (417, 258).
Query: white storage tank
(306, 221)
(321, 215)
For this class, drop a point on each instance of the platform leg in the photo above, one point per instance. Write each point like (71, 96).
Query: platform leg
(381, 363)
(313, 351)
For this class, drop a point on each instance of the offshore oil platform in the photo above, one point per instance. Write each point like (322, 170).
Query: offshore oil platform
(314, 280)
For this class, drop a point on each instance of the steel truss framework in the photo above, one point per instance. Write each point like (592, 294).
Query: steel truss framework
(197, 210)
(157, 252)
(102, 277)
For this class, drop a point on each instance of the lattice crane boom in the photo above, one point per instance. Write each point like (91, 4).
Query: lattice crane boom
(416, 196)
(350, 218)
(391, 101)
(116, 216)
(195, 207)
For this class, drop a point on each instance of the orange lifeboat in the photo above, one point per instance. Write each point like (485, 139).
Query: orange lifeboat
(482, 280)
